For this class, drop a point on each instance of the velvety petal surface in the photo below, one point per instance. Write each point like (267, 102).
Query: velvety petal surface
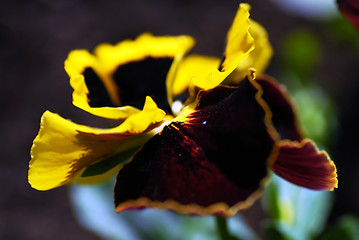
(284, 117)
(63, 149)
(303, 164)
(350, 9)
(213, 162)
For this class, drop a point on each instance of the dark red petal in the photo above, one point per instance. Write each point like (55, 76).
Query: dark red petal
(303, 164)
(284, 118)
(213, 163)
(350, 9)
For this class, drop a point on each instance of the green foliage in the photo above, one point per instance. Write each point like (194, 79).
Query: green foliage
(347, 228)
(295, 212)
(316, 110)
(301, 54)
(341, 31)
(93, 207)
(274, 232)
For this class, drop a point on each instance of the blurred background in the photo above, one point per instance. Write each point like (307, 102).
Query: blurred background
(316, 56)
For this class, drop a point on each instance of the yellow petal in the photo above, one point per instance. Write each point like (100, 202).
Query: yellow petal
(239, 44)
(108, 58)
(258, 58)
(63, 149)
(75, 65)
(80, 100)
(77, 61)
(191, 67)
(145, 45)
(141, 121)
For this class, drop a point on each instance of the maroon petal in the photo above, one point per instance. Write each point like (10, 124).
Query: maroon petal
(284, 118)
(213, 163)
(303, 164)
(350, 9)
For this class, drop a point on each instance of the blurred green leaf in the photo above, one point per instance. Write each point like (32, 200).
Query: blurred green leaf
(316, 112)
(94, 209)
(302, 212)
(272, 201)
(347, 228)
(341, 31)
(222, 228)
(273, 231)
(301, 53)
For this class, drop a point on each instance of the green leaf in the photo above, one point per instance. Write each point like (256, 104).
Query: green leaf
(296, 212)
(274, 232)
(316, 112)
(271, 201)
(93, 207)
(223, 231)
(347, 228)
(301, 53)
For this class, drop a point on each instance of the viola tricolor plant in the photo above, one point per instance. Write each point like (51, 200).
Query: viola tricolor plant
(209, 132)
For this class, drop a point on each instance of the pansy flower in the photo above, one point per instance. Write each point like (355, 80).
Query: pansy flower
(196, 134)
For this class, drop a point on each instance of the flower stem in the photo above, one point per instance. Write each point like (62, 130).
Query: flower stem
(222, 227)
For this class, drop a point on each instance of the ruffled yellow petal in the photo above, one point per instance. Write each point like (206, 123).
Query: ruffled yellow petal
(75, 65)
(63, 149)
(239, 44)
(108, 58)
(141, 121)
(77, 61)
(191, 67)
(60, 151)
(80, 100)
(146, 45)
(258, 58)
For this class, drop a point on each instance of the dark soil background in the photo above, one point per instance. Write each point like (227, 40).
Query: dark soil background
(35, 38)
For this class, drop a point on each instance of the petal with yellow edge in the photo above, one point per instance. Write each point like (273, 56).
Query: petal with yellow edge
(284, 117)
(214, 162)
(303, 164)
(124, 74)
(62, 149)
